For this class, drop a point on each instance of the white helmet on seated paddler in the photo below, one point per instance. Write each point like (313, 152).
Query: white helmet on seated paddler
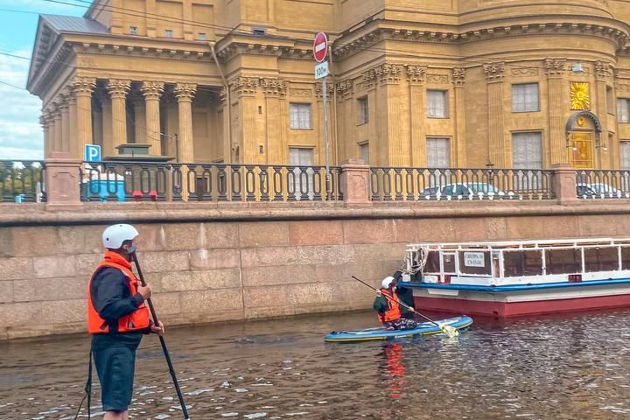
(387, 281)
(115, 235)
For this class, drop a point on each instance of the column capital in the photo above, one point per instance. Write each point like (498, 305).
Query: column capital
(345, 88)
(83, 86)
(494, 71)
(244, 85)
(603, 70)
(118, 88)
(185, 91)
(152, 90)
(459, 76)
(416, 75)
(555, 67)
(388, 73)
(274, 87)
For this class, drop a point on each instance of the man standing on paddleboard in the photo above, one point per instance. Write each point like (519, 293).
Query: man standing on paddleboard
(387, 305)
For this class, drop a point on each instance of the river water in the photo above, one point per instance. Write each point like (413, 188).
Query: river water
(570, 367)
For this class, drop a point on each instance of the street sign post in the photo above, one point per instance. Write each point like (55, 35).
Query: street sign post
(320, 51)
(92, 153)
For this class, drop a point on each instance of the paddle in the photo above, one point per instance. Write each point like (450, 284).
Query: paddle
(171, 370)
(446, 329)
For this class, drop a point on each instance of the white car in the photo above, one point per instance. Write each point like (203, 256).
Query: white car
(470, 190)
(598, 189)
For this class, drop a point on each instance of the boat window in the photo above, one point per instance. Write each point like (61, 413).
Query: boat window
(433, 262)
(601, 259)
(625, 258)
(475, 262)
(522, 263)
(449, 263)
(560, 261)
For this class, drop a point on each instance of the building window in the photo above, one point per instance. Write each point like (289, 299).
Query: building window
(438, 153)
(303, 179)
(363, 110)
(133, 30)
(168, 33)
(623, 110)
(364, 152)
(202, 36)
(624, 154)
(437, 103)
(525, 97)
(300, 115)
(610, 100)
(527, 151)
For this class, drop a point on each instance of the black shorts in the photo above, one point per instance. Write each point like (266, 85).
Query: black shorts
(115, 361)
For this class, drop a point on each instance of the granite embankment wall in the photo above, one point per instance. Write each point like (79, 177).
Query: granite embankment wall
(211, 263)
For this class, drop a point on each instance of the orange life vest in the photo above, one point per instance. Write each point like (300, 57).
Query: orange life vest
(393, 309)
(137, 320)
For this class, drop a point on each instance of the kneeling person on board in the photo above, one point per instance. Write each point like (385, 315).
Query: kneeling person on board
(388, 307)
(117, 319)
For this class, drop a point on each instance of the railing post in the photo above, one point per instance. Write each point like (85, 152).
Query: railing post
(63, 180)
(563, 183)
(355, 182)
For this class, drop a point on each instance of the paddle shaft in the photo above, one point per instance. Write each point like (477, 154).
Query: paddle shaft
(393, 299)
(171, 370)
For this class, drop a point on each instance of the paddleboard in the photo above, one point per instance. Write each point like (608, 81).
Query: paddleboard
(380, 333)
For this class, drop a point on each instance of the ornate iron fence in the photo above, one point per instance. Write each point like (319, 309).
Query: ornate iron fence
(414, 184)
(602, 184)
(129, 181)
(22, 181)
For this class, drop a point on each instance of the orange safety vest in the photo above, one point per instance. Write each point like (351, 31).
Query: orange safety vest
(137, 320)
(393, 309)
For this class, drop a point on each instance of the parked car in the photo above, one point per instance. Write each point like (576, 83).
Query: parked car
(597, 189)
(468, 190)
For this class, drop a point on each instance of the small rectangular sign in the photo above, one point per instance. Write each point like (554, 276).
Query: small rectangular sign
(474, 259)
(92, 153)
(321, 70)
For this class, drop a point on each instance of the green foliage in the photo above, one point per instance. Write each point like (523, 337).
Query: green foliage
(16, 180)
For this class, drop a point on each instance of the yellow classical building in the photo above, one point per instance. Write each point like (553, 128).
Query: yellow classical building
(424, 83)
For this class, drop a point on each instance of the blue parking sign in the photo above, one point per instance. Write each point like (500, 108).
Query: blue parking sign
(92, 153)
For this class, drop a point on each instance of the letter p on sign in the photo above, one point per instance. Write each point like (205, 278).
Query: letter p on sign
(92, 153)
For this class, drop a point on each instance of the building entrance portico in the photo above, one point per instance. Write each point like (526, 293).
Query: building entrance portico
(582, 132)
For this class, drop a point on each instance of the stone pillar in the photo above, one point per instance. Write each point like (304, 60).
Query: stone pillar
(188, 17)
(83, 87)
(459, 143)
(243, 93)
(185, 92)
(347, 120)
(416, 76)
(73, 147)
(563, 183)
(275, 91)
(118, 92)
(496, 134)
(62, 181)
(149, 18)
(388, 123)
(57, 128)
(557, 102)
(603, 78)
(46, 122)
(117, 17)
(65, 124)
(355, 182)
(152, 92)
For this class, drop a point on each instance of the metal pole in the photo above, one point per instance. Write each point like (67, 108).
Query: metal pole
(325, 97)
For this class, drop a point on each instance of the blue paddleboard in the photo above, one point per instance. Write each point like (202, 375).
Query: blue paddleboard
(380, 333)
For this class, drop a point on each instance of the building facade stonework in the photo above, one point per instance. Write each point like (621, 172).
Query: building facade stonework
(459, 83)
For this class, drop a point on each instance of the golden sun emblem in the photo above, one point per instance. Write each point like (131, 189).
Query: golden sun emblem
(580, 98)
(581, 121)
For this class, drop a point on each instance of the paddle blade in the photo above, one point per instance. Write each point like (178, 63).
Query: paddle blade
(449, 331)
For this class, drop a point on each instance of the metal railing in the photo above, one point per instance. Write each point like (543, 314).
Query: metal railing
(21, 181)
(415, 184)
(602, 184)
(140, 181)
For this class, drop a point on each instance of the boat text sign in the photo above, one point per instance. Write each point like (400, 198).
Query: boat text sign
(474, 259)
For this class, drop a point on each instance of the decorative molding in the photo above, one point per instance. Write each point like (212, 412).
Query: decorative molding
(388, 74)
(416, 75)
(274, 87)
(83, 86)
(118, 88)
(494, 71)
(555, 67)
(603, 70)
(185, 91)
(622, 87)
(245, 85)
(580, 96)
(330, 90)
(437, 79)
(368, 79)
(346, 88)
(300, 93)
(458, 76)
(524, 71)
(152, 90)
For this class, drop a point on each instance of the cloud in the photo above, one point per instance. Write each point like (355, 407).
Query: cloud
(21, 136)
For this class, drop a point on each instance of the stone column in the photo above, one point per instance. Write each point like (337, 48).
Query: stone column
(275, 91)
(557, 102)
(459, 142)
(73, 147)
(185, 92)
(83, 87)
(355, 182)
(496, 135)
(62, 181)
(346, 120)
(65, 123)
(46, 122)
(416, 76)
(57, 128)
(118, 90)
(389, 104)
(152, 92)
(603, 77)
(563, 183)
(243, 95)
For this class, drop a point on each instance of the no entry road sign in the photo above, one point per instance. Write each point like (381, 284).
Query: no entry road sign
(320, 47)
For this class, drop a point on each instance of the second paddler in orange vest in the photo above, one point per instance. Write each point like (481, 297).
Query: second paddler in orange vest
(387, 307)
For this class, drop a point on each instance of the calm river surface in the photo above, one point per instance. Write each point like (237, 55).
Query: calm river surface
(570, 367)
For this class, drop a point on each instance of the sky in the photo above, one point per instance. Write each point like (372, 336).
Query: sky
(21, 136)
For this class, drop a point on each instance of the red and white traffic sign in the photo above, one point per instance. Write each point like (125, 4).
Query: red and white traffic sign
(320, 47)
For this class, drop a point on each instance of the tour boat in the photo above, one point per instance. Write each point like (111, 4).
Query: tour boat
(516, 278)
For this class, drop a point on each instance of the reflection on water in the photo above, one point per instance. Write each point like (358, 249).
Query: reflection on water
(547, 368)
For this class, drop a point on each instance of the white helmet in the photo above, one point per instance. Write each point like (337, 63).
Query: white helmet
(386, 282)
(115, 235)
